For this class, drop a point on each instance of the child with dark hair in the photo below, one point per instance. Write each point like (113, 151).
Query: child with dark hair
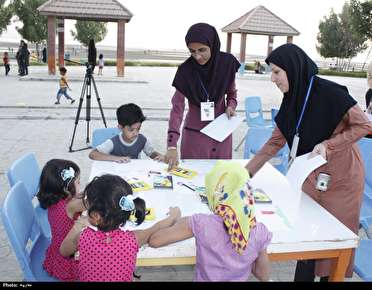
(106, 252)
(101, 64)
(58, 193)
(6, 62)
(130, 143)
(63, 86)
(230, 243)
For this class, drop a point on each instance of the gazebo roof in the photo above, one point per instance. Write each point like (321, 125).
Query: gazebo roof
(261, 21)
(99, 10)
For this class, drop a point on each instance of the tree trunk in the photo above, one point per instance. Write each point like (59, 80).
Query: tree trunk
(37, 47)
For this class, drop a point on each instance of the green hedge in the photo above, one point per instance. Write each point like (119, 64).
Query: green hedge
(128, 63)
(249, 67)
(355, 74)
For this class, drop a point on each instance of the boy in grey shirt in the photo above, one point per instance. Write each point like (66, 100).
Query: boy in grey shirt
(130, 143)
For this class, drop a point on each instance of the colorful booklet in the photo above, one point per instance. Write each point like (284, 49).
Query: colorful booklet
(139, 185)
(182, 172)
(260, 196)
(163, 181)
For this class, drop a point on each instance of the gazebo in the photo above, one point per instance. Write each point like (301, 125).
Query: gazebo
(94, 10)
(259, 21)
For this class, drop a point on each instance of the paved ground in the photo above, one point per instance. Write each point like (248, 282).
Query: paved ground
(30, 122)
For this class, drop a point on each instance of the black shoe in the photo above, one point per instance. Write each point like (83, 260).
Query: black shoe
(57, 103)
(72, 101)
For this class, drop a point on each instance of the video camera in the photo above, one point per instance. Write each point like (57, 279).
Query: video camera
(89, 66)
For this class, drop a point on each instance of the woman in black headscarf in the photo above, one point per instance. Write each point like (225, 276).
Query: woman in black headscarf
(331, 125)
(204, 79)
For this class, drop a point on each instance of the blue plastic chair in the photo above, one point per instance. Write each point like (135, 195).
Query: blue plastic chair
(102, 134)
(365, 218)
(256, 138)
(253, 112)
(363, 261)
(368, 177)
(18, 217)
(274, 112)
(253, 115)
(365, 146)
(27, 170)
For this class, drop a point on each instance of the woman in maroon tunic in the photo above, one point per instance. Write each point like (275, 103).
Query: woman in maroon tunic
(203, 79)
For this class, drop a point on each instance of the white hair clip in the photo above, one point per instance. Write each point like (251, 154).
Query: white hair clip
(67, 174)
(126, 203)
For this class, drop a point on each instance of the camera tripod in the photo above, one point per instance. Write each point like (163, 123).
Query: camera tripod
(87, 91)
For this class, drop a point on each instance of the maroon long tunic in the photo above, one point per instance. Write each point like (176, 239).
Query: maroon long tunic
(343, 198)
(196, 145)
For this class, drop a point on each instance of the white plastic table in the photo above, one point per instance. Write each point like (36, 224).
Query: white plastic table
(313, 233)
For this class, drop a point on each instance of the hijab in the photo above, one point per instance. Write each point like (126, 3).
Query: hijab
(216, 75)
(328, 102)
(229, 196)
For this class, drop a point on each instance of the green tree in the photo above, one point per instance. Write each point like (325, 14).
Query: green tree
(361, 17)
(35, 26)
(337, 38)
(329, 37)
(361, 20)
(5, 15)
(352, 42)
(86, 30)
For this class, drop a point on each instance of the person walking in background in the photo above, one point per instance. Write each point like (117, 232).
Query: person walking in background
(6, 62)
(318, 116)
(25, 58)
(101, 64)
(63, 86)
(19, 57)
(369, 91)
(204, 79)
(257, 67)
(44, 55)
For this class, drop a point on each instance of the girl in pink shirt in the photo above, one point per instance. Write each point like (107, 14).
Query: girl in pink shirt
(106, 252)
(59, 185)
(230, 245)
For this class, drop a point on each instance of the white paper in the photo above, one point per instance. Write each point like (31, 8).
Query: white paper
(275, 221)
(369, 116)
(222, 127)
(301, 167)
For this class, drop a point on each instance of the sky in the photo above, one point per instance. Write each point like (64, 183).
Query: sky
(162, 24)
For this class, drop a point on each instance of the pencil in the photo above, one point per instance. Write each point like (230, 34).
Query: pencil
(188, 187)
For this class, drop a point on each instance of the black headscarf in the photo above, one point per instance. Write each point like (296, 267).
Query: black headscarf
(217, 74)
(327, 104)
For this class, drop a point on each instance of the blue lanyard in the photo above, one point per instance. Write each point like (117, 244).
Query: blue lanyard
(205, 90)
(303, 108)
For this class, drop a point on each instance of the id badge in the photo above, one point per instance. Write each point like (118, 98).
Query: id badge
(207, 111)
(294, 148)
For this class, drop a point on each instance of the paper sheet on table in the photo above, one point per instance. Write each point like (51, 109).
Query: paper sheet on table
(222, 127)
(272, 217)
(301, 167)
